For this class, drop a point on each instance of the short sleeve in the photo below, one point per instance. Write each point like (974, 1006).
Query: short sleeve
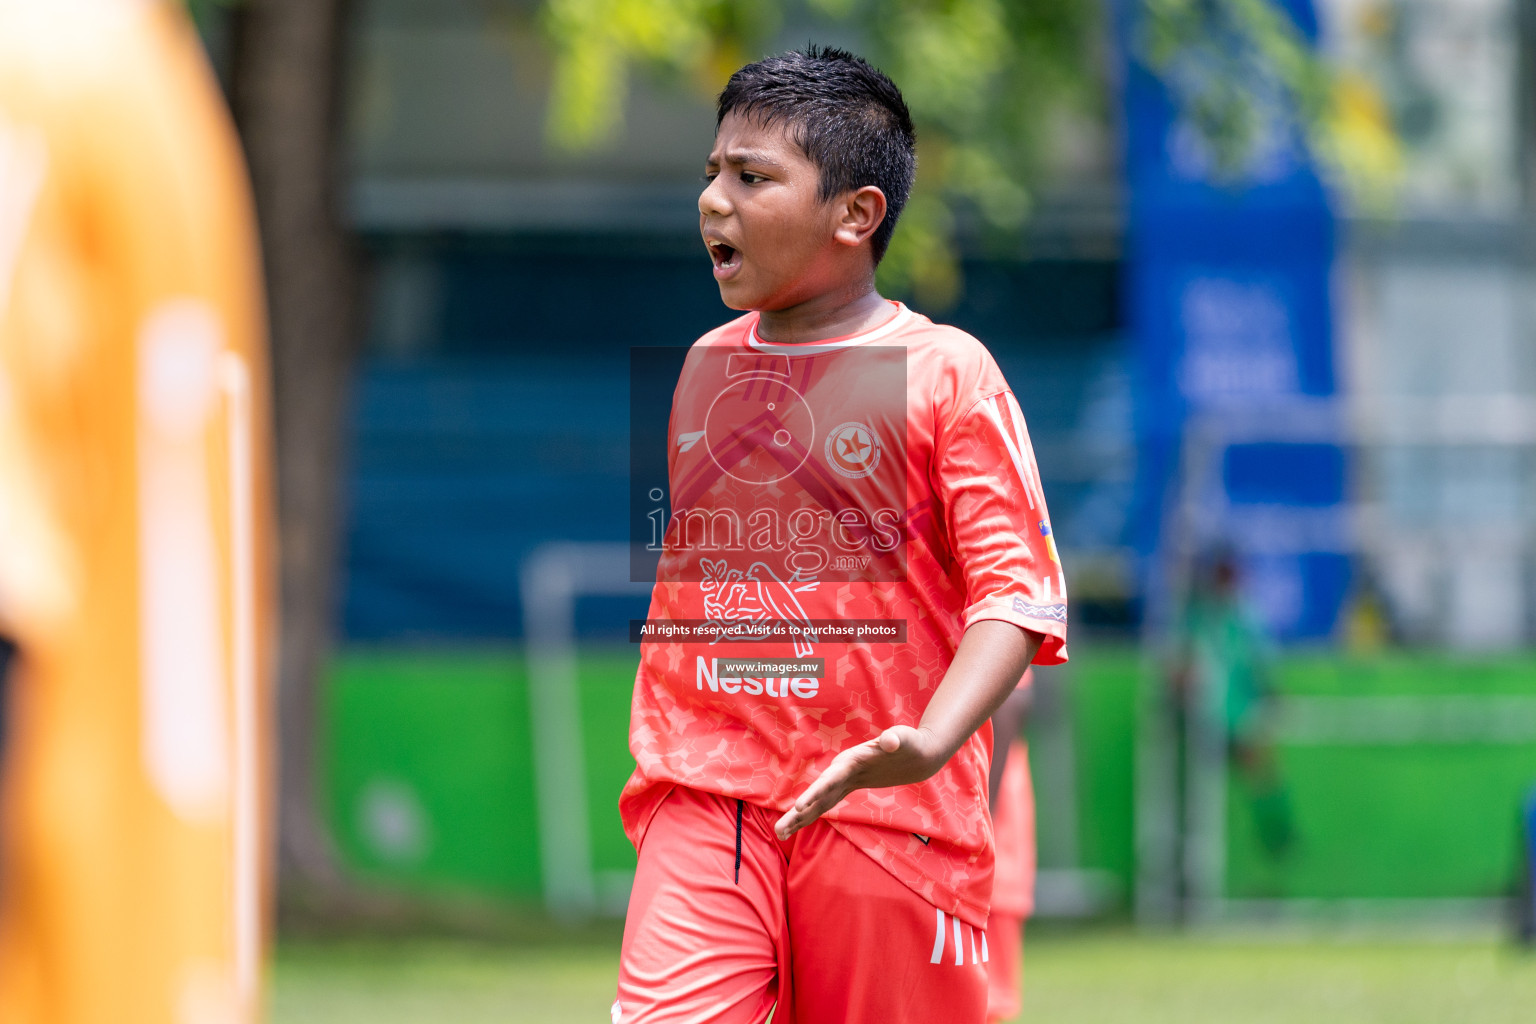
(999, 526)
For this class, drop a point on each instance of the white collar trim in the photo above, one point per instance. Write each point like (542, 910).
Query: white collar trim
(903, 314)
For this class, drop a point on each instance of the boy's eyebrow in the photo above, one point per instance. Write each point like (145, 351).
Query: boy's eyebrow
(745, 156)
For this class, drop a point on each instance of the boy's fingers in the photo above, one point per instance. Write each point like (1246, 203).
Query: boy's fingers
(835, 775)
(810, 798)
(826, 791)
(835, 782)
(819, 797)
(794, 821)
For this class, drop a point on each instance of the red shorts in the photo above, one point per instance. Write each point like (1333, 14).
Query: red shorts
(812, 925)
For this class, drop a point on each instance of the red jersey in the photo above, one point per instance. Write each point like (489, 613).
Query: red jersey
(884, 484)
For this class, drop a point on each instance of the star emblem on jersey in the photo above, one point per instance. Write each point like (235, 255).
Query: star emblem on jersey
(852, 449)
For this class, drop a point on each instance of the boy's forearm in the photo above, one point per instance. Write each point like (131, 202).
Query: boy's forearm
(988, 664)
(992, 657)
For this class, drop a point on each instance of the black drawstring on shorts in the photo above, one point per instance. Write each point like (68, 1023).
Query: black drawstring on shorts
(740, 806)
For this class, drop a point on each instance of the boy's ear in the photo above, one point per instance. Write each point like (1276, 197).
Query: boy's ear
(859, 213)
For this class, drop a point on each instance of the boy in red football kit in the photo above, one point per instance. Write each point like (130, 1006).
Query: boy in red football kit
(857, 572)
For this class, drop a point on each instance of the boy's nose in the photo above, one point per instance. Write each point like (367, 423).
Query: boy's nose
(712, 201)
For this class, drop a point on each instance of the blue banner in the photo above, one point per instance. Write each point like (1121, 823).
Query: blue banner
(1229, 305)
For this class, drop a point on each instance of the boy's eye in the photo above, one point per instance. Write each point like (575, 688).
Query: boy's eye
(749, 178)
(708, 176)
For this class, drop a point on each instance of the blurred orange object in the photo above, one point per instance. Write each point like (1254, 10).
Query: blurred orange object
(134, 547)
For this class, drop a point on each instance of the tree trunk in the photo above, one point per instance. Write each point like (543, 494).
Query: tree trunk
(286, 92)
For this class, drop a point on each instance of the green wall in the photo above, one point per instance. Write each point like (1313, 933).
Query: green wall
(429, 776)
(444, 738)
(1426, 821)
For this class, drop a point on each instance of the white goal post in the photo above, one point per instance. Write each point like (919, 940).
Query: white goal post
(553, 577)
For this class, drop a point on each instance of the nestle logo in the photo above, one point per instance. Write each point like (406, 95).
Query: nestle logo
(711, 672)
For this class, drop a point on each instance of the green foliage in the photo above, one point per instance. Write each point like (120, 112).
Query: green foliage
(1236, 67)
(597, 40)
(1243, 73)
(988, 82)
(984, 79)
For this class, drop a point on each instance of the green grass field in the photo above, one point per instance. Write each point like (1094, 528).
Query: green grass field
(1095, 977)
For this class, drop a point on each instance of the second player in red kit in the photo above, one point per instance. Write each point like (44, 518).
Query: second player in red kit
(857, 570)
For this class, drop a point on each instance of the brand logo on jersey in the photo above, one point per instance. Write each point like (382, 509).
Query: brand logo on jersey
(962, 940)
(688, 440)
(706, 673)
(852, 449)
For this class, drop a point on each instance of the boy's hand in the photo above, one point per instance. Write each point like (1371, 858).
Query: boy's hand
(896, 757)
(987, 666)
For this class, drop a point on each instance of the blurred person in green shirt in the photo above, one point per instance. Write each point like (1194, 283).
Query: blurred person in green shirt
(1221, 678)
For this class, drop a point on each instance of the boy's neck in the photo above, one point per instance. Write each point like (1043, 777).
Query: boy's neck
(832, 315)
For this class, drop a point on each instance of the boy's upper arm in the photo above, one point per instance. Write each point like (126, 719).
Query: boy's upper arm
(998, 523)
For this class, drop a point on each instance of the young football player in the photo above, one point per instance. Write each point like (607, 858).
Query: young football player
(860, 543)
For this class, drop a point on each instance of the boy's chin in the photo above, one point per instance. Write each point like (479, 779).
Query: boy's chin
(753, 300)
(739, 298)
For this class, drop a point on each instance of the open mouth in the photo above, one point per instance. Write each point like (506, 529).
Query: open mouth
(725, 256)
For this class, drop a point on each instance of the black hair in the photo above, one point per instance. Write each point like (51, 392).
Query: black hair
(847, 117)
